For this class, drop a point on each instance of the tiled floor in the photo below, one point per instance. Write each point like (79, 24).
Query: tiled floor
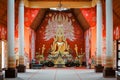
(60, 74)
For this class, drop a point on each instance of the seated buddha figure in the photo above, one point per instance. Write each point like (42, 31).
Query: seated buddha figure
(59, 44)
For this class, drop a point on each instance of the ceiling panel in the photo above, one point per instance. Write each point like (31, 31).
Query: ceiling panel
(3, 10)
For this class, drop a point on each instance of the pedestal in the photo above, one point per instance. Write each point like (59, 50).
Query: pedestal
(36, 66)
(21, 68)
(30, 66)
(108, 72)
(11, 73)
(118, 77)
(59, 65)
(99, 68)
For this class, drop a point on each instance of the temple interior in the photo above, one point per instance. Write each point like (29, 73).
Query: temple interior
(63, 37)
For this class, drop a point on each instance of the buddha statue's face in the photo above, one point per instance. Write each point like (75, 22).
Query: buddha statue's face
(60, 39)
(60, 34)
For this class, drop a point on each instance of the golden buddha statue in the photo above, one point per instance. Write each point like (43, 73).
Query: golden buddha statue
(59, 43)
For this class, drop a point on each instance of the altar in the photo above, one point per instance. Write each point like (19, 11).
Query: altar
(60, 51)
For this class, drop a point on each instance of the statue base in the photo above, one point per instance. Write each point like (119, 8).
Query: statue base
(108, 73)
(21, 68)
(99, 68)
(1, 76)
(30, 65)
(11, 73)
(59, 65)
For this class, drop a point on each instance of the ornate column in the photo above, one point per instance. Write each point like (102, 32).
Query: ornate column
(108, 69)
(99, 67)
(11, 72)
(21, 67)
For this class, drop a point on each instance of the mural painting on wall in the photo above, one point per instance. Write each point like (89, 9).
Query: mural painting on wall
(116, 36)
(30, 14)
(116, 33)
(90, 15)
(59, 33)
(87, 46)
(63, 23)
(3, 32)
(90, 34)
(91, 49)
(32, 44)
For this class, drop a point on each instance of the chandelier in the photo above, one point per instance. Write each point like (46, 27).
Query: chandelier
(59, 8)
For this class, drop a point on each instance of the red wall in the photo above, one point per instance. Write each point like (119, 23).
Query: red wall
(78, 33)
(90, 16)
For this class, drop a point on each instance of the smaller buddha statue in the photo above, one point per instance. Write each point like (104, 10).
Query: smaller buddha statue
(43, 49)
(67, 50)
(76, 49)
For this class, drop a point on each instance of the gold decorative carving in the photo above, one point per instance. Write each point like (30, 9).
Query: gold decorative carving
(109, 62)
(80, 57)
(99, 61)
(11, 62)
(21, 60)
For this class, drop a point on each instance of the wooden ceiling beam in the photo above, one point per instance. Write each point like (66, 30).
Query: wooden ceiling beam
(78, 14)
(55, 4)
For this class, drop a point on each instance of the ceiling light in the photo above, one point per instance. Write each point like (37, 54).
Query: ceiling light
(60, 7)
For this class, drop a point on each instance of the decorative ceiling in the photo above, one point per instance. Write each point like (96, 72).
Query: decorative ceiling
(77, 12)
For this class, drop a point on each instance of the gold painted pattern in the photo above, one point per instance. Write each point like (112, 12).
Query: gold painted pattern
(11, 62)
(21, 60)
